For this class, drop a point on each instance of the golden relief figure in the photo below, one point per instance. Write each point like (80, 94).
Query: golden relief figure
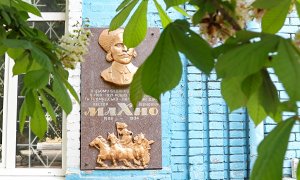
(133, 152)
(121, 70)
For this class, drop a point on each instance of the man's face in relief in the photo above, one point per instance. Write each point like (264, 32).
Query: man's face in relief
(120, 53)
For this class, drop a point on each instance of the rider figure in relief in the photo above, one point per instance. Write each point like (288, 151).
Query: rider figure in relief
(121, 70)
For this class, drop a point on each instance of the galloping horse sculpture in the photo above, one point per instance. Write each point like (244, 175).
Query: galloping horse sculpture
(133, 152)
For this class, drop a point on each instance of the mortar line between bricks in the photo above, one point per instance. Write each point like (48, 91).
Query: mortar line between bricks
(186, 113)
(186, 109)
(247, 145)
(206, 127)
(226, 143)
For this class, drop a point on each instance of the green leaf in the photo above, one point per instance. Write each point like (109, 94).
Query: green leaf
(181, 11)
(251, 84)
(162, 69)
(255, 110)
(123, 4)
(232, 92)
(297, 3)
(241, 61)
(21, 64)
(15, 43)
(268, 96)
(61, 95)
(191, 45)
(5, 2)
(3, 50)
(20, 4)
(120, 18)
(271, 151)
(71, 89)
(6, 17)
(41, 58)
(36, 79)
(289, 106)
(38, 122)
(48, 106)
(165, 19)
(287, 67)
(30, 102)
(203, 7)
(22, 116)
(136, 88)
(171, 3)
(274, 18)
(136, 29)
(266, 4)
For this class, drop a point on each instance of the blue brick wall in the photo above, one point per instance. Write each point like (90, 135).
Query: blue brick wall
(174, 110)
(291, 26)
(201, 140)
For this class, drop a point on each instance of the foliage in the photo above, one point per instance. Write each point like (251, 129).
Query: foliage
(243, 61)
(37, 58)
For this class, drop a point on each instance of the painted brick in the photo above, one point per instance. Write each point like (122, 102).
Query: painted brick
(236, 150)
(216, 125)
(216, 142)
(196, 134)
(216, 133)
(178, 126)
(178, 143)
(195, 151)
(289, 29)
(236, 125)
(178, 135)
(194, 77)
(195, 93)
(294, 21)
(195, 110)
(194, 85)
(195, 117)
(195, 126)
(214, 85)
(236, 134)
(237, 174)
(216, 166)
(236, 142)
(297, 136)
(217, 150)
(195, 101)
(294, 145)
(196, 142)
(217, 175)
(216, 158)
(196, 159)
(193, 70)
(237, 166)
(236, 158)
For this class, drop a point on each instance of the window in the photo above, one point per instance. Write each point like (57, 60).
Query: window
(23, 154)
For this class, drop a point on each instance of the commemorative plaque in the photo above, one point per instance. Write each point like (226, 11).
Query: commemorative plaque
(113, 134)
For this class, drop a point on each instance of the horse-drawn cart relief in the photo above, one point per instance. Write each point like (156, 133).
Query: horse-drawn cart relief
(122, 151)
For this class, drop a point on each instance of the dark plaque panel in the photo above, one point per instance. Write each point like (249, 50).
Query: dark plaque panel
(103, 104)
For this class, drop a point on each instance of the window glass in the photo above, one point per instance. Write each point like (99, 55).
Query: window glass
(50, 5)
(47, 152)
(53, 29)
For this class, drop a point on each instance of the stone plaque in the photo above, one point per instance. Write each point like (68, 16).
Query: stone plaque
(113, 135)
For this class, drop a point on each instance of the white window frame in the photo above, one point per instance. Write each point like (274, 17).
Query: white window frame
(8, 169)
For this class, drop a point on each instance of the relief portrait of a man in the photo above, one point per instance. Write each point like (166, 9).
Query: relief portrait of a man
(121, 70)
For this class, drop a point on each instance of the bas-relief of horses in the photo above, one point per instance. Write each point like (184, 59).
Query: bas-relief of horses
(126, 149)
(104, 150)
